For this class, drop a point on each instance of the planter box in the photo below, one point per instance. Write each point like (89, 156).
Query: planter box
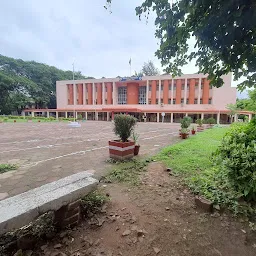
(200, 129)
(121, 150)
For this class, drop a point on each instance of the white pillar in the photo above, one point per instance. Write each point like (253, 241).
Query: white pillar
(185, 91)
(199, 91)
(103, 93)
(107, 116)
(66, 114)
(33, 114)
(186, 114)
(236, 117)
(159, 92)
(218, 118)
(48, 114)
(250, 117)
(86, 116)
(147, 92)
(93, 94)
(114, 93)
(57, 115)
(96, 116)
(171, 117)
(157, 117)
(202, 116)
(84, 101)
(172, 92)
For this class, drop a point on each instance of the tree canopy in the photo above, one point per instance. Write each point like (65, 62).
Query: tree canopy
(149, 69)
(249, 103)
(23, 83)
(224, 33)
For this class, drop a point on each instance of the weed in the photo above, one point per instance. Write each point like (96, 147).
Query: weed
(127, 171)
(7, 167)
(92, 202)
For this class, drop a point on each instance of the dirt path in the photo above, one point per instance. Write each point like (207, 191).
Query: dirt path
(156, 218)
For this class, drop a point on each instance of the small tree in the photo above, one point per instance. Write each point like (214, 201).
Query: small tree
(199, 122)
(185, 122)
(211, 121)
(123, 126)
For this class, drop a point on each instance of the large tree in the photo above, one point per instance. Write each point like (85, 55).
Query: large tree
(224, 33)
(23, 83)
(149, 69)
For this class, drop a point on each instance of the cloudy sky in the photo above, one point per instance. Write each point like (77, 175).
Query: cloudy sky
(60, 32)
(56, 32)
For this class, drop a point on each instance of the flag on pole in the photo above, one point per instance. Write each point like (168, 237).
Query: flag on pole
(130, 62)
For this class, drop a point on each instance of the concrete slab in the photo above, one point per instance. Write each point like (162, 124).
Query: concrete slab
(19, 210)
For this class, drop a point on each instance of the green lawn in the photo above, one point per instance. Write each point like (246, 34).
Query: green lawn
(192, 155)
(191, 159)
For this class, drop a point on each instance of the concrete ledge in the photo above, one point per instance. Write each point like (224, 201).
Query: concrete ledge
(21, 209)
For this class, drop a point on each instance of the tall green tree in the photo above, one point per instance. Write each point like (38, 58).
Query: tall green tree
(224, 33)
(29, 83)
(149, 69)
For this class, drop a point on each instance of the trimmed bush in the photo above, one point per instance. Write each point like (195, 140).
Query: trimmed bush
(237, 156)
(211, 120)
(185, 122)
(124, 125)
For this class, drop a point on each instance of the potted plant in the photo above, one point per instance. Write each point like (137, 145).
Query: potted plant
(135, 137)
(184, 133)
(211, 121)
(122, 148)
(200, 125)
(14, 121)
(193, 131)
(185, 123)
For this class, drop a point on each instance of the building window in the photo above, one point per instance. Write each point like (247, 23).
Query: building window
(149, 102)
(188, 87)
(182, 101)
(183, 87)
(142, 94)
(156, 101)
(149, 88)
(162, 87)
(157, 88)
(201, 101)
(187, 102)
(96, 88)
(202, 86)
(169, 101)
(106, 89)
(210, 101)
(122, 95)
(86, 101)
(106, 102)
(174, 87)
(162, 101)
(174, 101)
(195, 101)
(170, 87)
(196, 85)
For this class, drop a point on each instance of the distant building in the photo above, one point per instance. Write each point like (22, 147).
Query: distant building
(150, 98)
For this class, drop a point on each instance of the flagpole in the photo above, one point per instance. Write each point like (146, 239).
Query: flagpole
(74, 98)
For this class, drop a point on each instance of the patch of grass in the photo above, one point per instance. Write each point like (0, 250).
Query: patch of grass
(191, 160)
(92, 202)
(127, 171)
(7, 167)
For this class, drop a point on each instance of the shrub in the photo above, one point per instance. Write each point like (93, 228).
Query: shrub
(185, 122)
(237, 156)
(199, 122)
(124, 125)
(61, 118)
(211, 120)
(79, 117)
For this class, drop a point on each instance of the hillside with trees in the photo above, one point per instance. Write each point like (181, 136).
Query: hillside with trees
(29, 83)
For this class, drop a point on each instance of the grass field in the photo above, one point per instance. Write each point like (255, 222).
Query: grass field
(192, 161)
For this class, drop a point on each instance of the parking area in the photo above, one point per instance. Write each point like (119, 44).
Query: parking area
(46, 152)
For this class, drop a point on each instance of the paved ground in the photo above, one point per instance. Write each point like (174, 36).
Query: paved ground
(46, 152)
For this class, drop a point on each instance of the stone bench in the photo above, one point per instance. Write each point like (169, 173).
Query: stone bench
(18, 211)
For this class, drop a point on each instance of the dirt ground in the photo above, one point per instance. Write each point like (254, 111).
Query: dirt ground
(46, 152)
(158, 217)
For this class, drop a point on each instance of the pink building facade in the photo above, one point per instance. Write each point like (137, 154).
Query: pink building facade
(149, 98)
